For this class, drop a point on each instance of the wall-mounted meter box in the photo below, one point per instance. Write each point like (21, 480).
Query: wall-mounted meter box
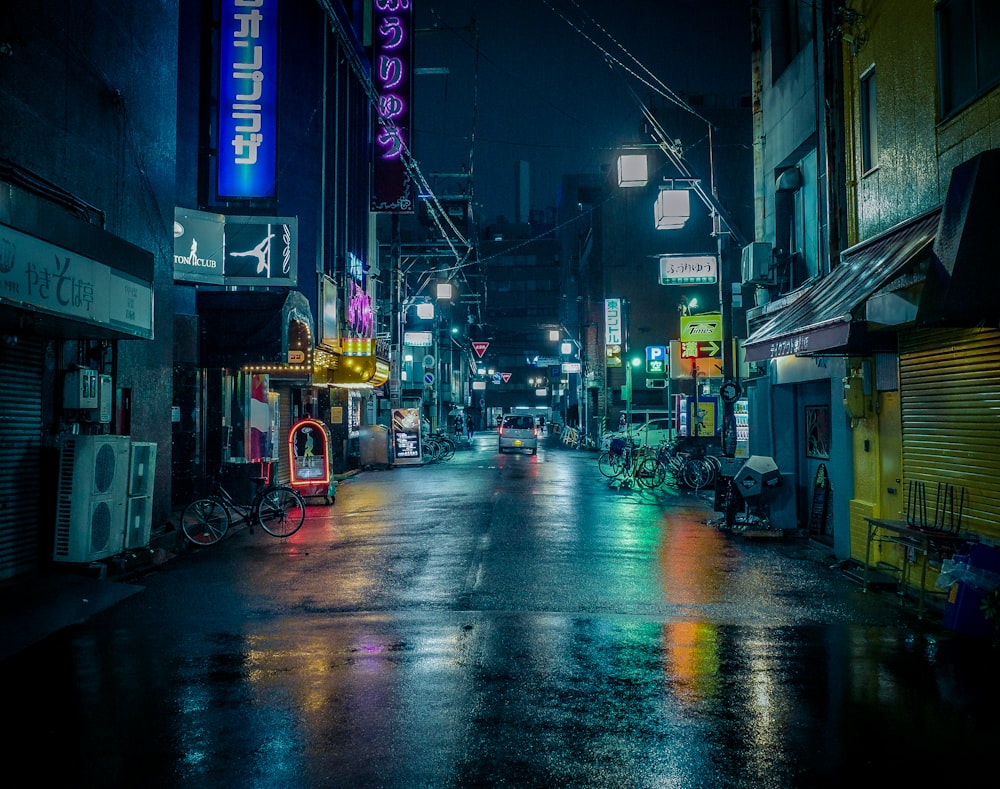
(80, 388)
(102, 413)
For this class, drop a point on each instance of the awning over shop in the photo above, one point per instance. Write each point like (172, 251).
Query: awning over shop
(266, 331)
(961, 287)
(823, 317)
(356, 366)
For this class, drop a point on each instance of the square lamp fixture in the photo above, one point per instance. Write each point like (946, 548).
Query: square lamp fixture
(672, 209)
(566, 348)
(632, 170)
(445, 291)
(554, 335)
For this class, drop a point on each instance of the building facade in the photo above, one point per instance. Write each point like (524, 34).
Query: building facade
(189, 262)
(87, 167)
(886, 354)
(277, 187)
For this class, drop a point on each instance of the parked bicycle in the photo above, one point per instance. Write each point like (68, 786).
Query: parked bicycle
(437, 446)
(691, 467)
(625, 463)
(617, 455)
(278, 509)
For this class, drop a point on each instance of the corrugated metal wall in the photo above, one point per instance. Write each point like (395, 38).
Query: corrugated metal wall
(21, 369)
(282, 471)
(950, 403)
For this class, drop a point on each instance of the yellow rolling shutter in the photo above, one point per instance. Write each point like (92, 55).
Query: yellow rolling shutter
(950, 404)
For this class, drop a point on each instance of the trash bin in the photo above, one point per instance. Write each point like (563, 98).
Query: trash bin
(241, 479)
(976, 569)
(373, 445)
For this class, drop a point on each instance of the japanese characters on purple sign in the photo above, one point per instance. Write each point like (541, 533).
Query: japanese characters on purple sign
(392, 61)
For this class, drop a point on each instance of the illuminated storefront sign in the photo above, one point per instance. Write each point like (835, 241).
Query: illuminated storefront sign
(329, 324)
(613, 321)
(235, 250)
(360, 313)
(309, 457)
(656, 359)
(418, 338)
(392, 60)
(199, 241)
(57, 281)
(360, 310)
(248, 71)
(406, 435)
(688, 269)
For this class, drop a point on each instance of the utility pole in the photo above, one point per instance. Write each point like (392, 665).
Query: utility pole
(396, 319)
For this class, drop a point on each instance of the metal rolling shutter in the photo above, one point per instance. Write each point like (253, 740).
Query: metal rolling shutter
(282, 471)
(20, 456)
(950, 403)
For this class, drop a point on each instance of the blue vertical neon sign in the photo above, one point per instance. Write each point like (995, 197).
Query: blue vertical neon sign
(248, 72)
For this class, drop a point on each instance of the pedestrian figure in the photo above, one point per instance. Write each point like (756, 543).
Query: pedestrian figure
(469, 426)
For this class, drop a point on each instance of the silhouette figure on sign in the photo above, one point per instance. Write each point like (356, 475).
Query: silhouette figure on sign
(262, 252)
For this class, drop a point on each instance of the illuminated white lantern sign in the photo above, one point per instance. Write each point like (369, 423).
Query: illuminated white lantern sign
(632, 170)
(672, 209)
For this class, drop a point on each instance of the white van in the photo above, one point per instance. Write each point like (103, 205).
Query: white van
(649, 428)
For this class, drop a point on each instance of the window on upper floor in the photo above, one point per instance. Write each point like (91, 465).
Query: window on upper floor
(869, 122)
(968, 40)
(791, 29)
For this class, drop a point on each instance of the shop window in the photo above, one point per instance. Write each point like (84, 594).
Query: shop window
(869, 122)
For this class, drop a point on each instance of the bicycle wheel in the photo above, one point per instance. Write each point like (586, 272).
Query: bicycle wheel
(608, 463)
(432, 450)
(651, 473)
(697, 473)
(447, 449)
(205, 521)
(280, 511)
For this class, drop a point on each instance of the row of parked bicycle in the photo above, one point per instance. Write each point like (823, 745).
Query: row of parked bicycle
(683, 463)
(437, 447)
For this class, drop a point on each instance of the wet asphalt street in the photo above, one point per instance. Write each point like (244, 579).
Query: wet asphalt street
(501, 621)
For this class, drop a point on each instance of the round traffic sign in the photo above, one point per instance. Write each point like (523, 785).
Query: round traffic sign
(730, 391)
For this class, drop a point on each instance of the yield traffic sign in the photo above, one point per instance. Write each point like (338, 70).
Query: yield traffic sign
(480, 348)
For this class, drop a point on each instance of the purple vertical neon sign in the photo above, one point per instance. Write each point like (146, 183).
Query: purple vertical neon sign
(392, 61)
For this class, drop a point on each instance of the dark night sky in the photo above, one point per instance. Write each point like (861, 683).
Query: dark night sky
(546, 95)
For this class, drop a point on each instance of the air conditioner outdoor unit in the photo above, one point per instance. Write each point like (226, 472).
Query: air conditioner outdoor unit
(138, 522)
(90, 499)
(756, 264)
(141, 468)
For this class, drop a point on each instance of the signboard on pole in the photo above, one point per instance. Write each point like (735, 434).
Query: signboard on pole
(684, 366)
(688, 270)
(701, 328)
(480, 348)
(613, 334)
(656, 359)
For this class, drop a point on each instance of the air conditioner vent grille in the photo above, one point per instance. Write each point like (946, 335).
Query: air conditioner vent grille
(105, 467)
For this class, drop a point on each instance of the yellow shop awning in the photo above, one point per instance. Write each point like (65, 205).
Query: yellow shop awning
(355, 367)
